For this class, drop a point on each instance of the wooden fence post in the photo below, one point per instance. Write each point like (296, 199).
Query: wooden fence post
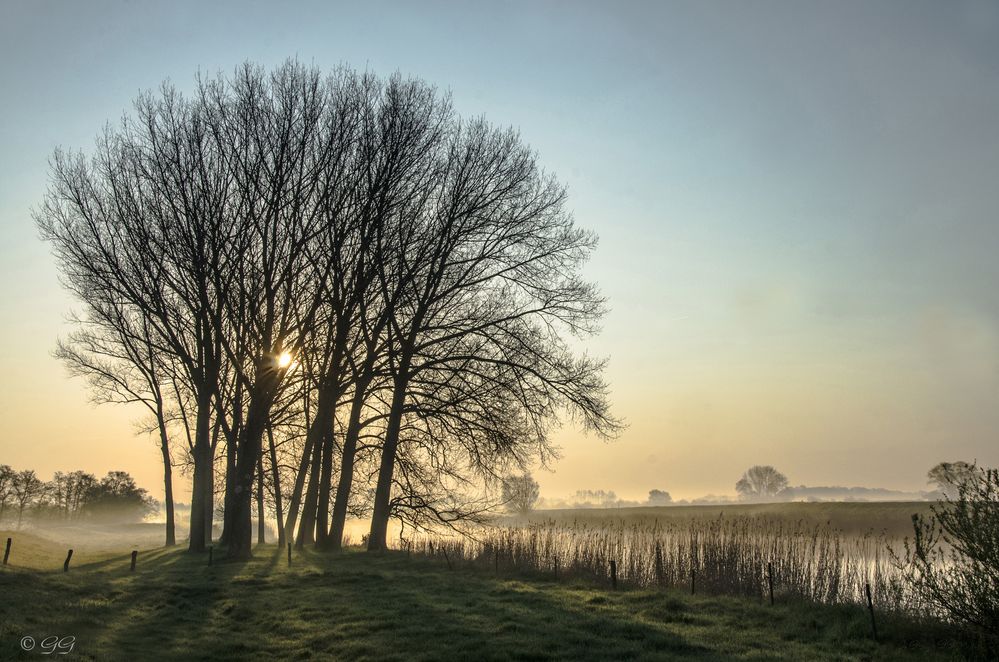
(770, 580)
(693, 580)
(65, 566)
(289, 555)
(614, 574)
(6, 552)
(496, 559)
(870, 607)
(556, 567)
(135, 554)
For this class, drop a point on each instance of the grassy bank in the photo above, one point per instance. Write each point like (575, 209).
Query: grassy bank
(359, 606)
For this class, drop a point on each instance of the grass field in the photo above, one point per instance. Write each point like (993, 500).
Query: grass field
(391, 606)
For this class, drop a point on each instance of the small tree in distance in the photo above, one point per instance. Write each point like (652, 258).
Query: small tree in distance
(761, 482)
(659, 498)
(26, 488)
(949, 476)
(7, 475)
(520, 493)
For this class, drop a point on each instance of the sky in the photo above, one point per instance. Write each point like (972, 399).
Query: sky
(797, 204)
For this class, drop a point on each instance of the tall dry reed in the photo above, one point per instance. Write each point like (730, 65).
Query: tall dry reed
(724, 555)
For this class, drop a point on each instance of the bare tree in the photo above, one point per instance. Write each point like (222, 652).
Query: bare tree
(950, 476)
(81, 483)
(761, 482)
(27, 488)
(489, 268)
(135, 230)
(520, 493)
(402, 126)
(114, 351)
(7, 475)
(283, 131)
(659, 498)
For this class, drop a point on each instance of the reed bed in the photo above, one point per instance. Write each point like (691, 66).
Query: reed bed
(724, 555)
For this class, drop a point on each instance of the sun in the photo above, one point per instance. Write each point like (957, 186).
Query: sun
(284, 360)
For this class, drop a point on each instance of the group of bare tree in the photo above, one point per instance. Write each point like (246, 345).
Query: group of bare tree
(72, 495)
(19, 490)
(332, 295)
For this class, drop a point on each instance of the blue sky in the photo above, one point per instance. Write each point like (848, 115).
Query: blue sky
(797, 204)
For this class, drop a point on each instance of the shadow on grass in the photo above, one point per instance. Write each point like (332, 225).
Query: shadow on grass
(350, 605)
(355, 605)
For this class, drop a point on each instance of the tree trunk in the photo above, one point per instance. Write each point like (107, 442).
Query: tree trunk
(231, 442)
(296, 494)
(230, 484)
(347, 464)
(307, 523)
(378, 535)
(209, 484)
(209, 499)
(261, 525)
(171, 532)
(276, 479)
(323, 420)
(325, 484)
(303, 467)
(240, 521)
(201, 455)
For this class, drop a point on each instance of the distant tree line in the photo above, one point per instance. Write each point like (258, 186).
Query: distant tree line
(764, 483)
(331, 295)
(71, 496)
(604, 499)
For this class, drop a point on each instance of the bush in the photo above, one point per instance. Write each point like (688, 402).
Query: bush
(953, 560)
